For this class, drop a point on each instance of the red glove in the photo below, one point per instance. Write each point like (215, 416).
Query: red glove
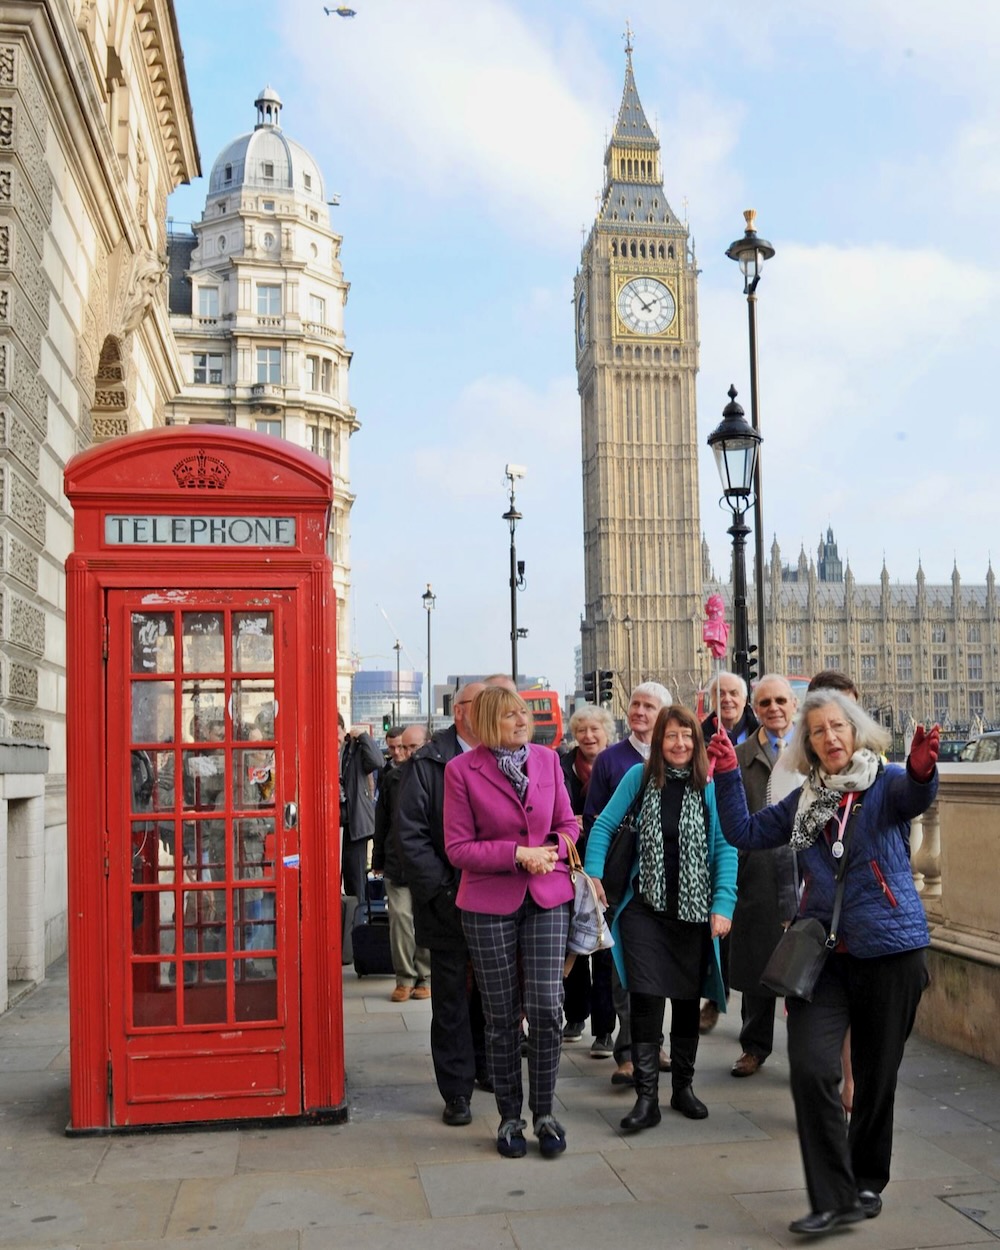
(721, 755)
(924, 752)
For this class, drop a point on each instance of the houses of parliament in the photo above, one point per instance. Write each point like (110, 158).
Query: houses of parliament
(918, 652)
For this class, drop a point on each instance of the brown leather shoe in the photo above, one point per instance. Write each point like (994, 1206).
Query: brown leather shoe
(421, 991)
(401, 994)
(746, 1065)
(709, 1017)
(624, 1075)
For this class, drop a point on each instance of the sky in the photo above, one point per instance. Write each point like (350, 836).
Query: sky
(466, 142)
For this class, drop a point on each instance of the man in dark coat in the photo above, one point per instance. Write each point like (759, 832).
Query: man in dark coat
(360, 762)
(458, 1045)
(766, 894)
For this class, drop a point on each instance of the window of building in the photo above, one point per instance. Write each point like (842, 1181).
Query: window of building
(222, 207)
(268, 365)
(940, 706)
(208, 301)
(795, 666)
(902, 633)
(327, 444)
(268, 300)
(312, 369)
(938, 634)
(313, 215)
(326, 376)
(869, 668)
(831, 661)
(972, 632)
(208, 368)
(307, 180)
(317, 309)
(267, 206)
(977, 703)
(267, 169)
(312, 439)
(904, 667)
(228, 173)
(268, 427)
(793, 635)
(866, 635)
(831, 633)
(975, 666)
(939, 667)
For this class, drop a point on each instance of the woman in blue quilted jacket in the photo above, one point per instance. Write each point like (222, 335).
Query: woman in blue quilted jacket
(851, 807)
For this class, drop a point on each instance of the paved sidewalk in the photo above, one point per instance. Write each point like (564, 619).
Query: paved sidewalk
(395, 1176)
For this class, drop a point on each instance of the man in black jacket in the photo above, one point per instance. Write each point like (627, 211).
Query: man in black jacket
(360, 762)
(458, 1047)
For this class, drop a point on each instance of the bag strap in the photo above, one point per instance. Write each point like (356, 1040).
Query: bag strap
(838, 897)
(573, 860)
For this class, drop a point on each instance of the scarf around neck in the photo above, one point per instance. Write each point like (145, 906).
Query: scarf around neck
(693, 880)
(822, 793)
(511, 762)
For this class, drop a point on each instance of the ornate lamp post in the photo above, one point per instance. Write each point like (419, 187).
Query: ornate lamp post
(512, 472)
(629, 624)
(429, 599)
(736, 447)
(397, 714)
(751, 252)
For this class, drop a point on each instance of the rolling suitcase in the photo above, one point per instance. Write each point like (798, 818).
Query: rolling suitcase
(370, 933)
(348, 906)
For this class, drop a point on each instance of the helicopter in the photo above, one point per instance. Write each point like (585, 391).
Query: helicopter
(341, 11)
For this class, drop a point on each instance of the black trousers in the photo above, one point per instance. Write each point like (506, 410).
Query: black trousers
(877, 999)
(757, 1033)
(588, 993)
(354, 865)
(458, 1042)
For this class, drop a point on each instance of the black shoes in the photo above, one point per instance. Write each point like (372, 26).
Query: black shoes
(457, 1111)
(816, 1223)
(871, 1203)
(551, 1136)
(510, 1140)
(573, 1031)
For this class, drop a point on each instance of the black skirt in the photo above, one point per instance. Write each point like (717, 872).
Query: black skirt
(663, 956)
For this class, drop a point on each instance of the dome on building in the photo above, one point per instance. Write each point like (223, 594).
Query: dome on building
(265, 159)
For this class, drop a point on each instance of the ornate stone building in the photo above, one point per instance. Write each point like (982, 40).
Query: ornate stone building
(918, 652)
(257, 296)
(637, 357)
(95, 131)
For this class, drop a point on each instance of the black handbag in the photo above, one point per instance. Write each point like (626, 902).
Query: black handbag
(796, 962)
(621, 854)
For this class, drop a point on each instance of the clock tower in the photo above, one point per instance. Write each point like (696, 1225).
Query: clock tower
(636, 330)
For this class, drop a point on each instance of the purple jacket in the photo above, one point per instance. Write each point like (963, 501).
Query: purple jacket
(485, 822)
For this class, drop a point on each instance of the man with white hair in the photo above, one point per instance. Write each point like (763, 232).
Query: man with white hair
(609, 768)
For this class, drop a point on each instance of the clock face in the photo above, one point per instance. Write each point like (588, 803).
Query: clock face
(646, 305)
(581, 320)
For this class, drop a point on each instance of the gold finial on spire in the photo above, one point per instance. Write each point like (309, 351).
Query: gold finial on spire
(628, 39)
(750, 217)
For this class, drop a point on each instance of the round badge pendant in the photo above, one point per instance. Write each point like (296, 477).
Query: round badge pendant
(837, 850)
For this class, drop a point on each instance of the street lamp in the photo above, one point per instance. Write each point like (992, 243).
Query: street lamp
(429, 599)
(736, 447)
(628, 623)
(398, 712)
(512, 472)
(750, 253)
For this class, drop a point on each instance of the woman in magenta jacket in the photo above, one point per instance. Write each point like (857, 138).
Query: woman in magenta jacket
(505, 805)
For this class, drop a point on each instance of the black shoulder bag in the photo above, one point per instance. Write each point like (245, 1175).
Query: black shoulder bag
(798, 959)
(621, 853)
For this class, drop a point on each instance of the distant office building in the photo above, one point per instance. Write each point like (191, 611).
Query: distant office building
(373, 696)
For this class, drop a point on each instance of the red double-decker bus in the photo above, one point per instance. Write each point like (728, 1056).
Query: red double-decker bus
(547, 713)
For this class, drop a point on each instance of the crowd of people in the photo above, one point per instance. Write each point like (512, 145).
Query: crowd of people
(738, 824)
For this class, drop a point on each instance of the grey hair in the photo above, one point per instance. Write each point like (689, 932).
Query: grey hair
(654, 690)
(590, 711)
(867, 733)
(779, 677)
(713, 688)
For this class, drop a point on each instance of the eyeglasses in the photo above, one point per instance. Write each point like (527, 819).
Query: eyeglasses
(682, 735)
(780, 699)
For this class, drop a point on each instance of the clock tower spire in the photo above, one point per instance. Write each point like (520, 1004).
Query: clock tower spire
(637, 359)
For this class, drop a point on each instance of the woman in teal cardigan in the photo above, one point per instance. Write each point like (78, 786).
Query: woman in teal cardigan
(679, 902)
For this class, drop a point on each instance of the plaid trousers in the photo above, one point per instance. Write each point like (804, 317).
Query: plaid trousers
(519, 960)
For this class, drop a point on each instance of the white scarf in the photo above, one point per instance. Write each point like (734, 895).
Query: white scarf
(822, 792)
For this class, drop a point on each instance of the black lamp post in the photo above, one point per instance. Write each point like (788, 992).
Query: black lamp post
(512, 516)
(628, 623)
(736, 447)
(429, 599)
(397, 714)
(751, 252)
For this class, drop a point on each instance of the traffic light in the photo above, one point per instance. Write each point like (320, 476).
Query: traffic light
(751, 663)
(386, 722)
(607, 685)
(590, 686)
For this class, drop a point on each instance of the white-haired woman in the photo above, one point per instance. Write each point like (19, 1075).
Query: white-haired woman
(592, 729)
(852, 812)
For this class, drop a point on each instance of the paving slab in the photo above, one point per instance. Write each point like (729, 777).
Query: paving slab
(482, 1232)
(49, 1213)
(982, 1208)
(173, 1155)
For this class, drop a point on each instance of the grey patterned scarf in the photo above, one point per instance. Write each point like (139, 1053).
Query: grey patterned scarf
(511, 762)
(694, 884)
(822, 792)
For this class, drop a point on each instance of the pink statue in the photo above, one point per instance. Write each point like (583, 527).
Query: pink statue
(715, 631)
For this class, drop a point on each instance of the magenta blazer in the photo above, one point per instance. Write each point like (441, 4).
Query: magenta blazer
(485, 822)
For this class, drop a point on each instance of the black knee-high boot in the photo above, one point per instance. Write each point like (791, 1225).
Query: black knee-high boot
(683, 1052)
(646, 1112)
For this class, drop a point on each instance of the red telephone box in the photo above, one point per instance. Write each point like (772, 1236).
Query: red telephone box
(203, 839)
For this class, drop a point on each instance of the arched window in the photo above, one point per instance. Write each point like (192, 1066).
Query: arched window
(642, 250)
(632, 248)
(614, 247)
(670, 252)
(661, 251)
